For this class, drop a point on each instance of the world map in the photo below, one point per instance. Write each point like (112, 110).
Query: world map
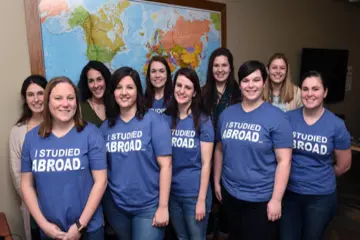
(125, 33)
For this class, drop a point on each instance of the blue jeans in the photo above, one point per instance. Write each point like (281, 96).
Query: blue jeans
(182, 214)
(306, 216)
(129, 225)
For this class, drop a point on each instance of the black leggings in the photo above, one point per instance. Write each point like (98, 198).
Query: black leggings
(248, 220)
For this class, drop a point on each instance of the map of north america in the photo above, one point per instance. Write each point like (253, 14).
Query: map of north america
(125, 33)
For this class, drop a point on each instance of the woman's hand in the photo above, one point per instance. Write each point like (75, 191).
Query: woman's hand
(53, 231)
(161, 218)
(200, 210)
(274, 210)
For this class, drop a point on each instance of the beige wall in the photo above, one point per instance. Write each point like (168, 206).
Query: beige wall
(256, 29)
(14, 67)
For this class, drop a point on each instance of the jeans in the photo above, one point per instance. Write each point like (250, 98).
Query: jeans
(306, 216)
(248, 220)
(129, 225)
(182, 214)
(94, 235)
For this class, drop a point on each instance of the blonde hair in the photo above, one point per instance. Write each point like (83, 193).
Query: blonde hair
(287, 87)
(47, 124)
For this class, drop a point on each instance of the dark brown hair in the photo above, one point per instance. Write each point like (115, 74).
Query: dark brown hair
(149, 92)
(117, 76)
(197, 106)
(26, 111)
(209, 88)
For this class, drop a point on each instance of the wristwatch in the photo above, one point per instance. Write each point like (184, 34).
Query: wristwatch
(81, 228)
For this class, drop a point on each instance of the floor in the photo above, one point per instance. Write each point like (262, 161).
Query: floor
(346, 224)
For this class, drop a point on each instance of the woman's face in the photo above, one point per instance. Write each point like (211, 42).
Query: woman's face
(184, 90)
(96, 83)
(158, 74)
(126, 93)
(221, 68)
(277, 71)
(34, 98)
(313, 92)
(62, 102)
(252, 87)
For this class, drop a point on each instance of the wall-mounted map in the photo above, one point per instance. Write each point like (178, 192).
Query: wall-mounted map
(125, 33)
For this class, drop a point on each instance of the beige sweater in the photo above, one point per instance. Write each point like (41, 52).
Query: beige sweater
(16, 140)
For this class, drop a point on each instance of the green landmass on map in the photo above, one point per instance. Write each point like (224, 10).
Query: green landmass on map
(103, 30)
(216, 19)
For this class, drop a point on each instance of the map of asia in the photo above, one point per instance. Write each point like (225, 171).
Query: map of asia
(125, 33)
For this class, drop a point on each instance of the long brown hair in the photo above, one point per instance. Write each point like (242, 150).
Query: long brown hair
(197, 105)
(287, 87)
(26, 111)
(208, 93)
(47, 124)
(150, 92)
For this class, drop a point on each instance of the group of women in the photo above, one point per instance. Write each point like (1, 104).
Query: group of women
(267, 150)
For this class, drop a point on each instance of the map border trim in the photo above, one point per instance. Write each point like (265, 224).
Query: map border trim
(34, 37)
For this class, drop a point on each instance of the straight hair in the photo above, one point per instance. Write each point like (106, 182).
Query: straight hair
(47, 124)
(26, 113)
(117, 76)
(150, 92)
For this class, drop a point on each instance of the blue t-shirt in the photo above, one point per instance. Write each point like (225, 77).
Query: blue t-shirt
(186, 154)
(249, 140)
(61, 168)
(313, 146)
(158, 105)
(133, 170)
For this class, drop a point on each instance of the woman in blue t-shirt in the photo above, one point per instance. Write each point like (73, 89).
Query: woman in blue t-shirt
(321, 151)
(252, 158)
(63, 168)
(158, 84)
(192, 146)
(138, 143)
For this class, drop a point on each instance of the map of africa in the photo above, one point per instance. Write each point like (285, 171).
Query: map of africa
(125, 33)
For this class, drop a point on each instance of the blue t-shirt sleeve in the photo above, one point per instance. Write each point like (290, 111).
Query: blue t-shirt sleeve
(26, 163)
(160, 135)
(167, 119)
(206, 130)
(342, 139)
(282, 133)
(97, 150)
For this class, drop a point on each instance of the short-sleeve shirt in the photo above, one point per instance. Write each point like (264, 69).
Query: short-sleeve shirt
(313, 146)
(61, 168)
(158, 105)
(249, 140)
(133, 170)
(186, 154)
